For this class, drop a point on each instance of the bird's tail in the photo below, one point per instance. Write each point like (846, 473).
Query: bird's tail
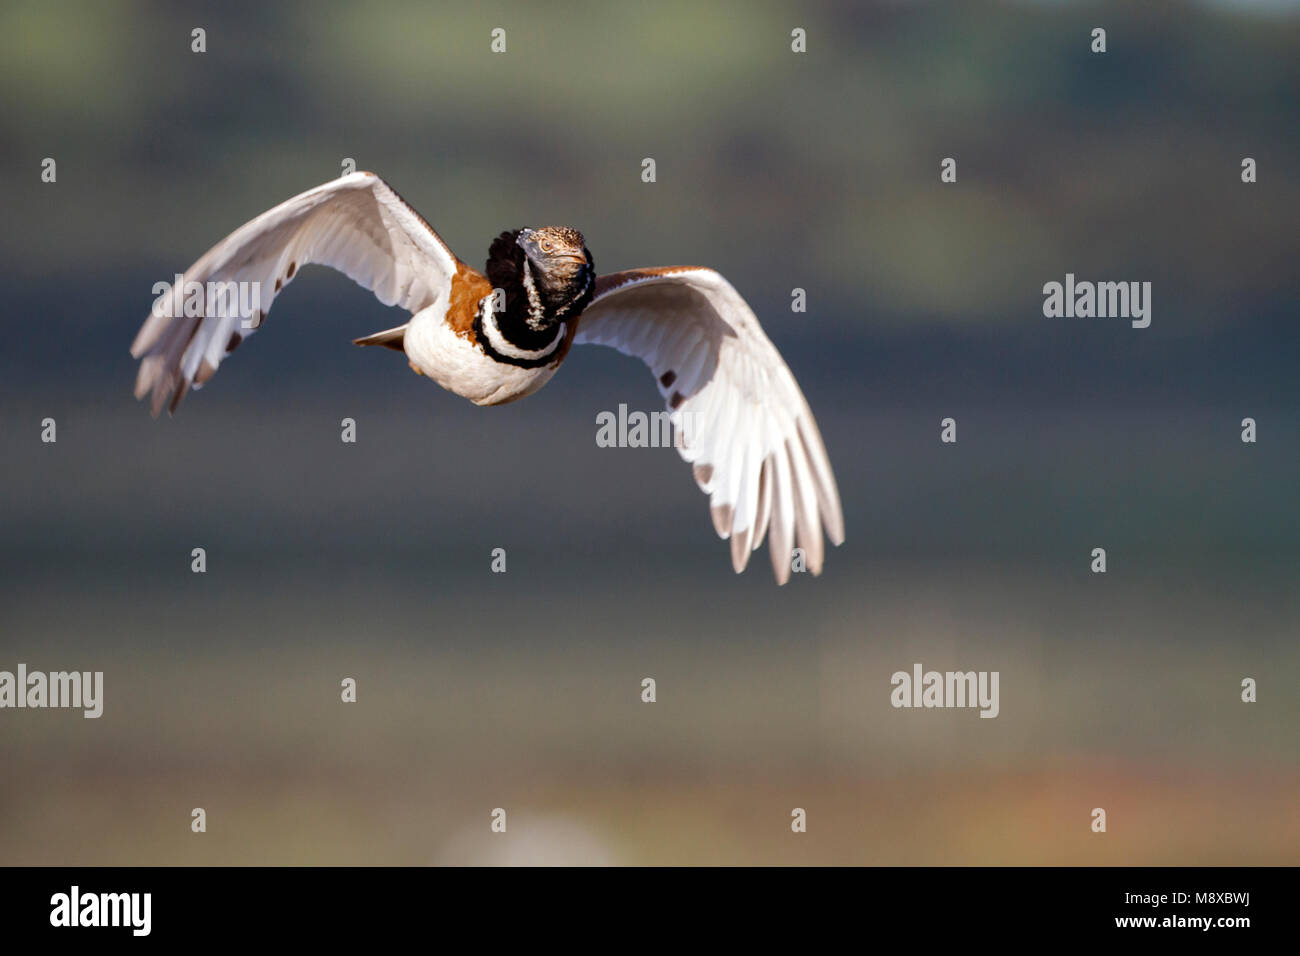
(389, 339)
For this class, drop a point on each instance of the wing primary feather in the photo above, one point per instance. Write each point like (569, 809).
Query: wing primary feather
(782, 527)
(764, 502)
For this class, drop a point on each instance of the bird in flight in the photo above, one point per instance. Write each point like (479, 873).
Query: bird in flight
(496, 337)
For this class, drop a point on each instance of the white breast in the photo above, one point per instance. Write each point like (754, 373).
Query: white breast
(459, 366)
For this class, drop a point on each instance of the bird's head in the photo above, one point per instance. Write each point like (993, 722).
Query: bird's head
(548, 274)
(553, 250)
(559, 264)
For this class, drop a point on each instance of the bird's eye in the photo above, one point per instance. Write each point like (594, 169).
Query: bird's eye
(547, 245)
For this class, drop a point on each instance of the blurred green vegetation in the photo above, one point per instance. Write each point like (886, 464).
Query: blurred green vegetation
(823, 166)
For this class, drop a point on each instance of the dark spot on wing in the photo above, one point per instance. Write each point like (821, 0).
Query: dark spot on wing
(667, 378)
(292, 266)
(235, 339)
(676, 400)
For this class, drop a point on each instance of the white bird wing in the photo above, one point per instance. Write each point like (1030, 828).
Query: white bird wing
(356, 224)
(737, 411)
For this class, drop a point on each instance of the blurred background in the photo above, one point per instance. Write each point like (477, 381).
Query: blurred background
(522, 691)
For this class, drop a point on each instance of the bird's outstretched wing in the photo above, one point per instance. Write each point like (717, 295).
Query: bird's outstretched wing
(356, 224)
(738, 413)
